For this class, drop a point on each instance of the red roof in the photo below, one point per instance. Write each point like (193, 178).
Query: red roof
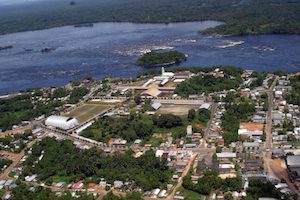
(77, 185)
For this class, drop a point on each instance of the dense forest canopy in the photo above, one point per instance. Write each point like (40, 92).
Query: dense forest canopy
(241, 17)
(62, 160)
(208, 83)
(160, 58)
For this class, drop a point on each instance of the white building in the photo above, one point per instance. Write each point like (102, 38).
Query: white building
(165, 76)
(61, 122)
(189, 131)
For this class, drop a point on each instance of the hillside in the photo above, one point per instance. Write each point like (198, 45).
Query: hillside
(241, 16)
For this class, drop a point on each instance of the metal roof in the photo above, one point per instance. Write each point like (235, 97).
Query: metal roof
(156, 105)
(293, 160)
(226, 155)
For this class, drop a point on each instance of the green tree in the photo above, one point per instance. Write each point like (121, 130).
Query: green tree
(191, 114)
(137, 99)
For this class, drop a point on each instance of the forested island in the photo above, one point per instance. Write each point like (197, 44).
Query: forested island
(240, 17)
(156, 59)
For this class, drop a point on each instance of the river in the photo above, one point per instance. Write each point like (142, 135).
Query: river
(110, 49)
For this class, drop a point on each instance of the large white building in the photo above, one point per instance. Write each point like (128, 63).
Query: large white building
(61, 122)
(165, 76)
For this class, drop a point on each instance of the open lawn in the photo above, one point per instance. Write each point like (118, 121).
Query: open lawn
(87, 111)
(190, 195)
(176, 109)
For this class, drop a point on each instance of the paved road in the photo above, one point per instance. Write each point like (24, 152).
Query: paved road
(274, 168)
(213, 110)
(268, 128)
(186, 171)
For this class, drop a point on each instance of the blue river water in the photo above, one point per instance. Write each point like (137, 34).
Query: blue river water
(110, 49)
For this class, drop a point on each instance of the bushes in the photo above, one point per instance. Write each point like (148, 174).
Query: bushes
(210, 181)
(167, 121)
(204, 115)
(77, 94)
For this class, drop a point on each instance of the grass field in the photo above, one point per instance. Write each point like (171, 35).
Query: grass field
(190, 195)
(87, 111)
(175, 109)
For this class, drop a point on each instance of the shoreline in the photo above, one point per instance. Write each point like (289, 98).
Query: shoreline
(93, 23)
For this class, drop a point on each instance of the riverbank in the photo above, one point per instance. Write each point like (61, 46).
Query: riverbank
(254, 17)
(110, 49)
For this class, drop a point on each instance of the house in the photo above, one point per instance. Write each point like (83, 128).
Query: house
(293, 166)
(227, 155)
(251, 145)
(151, 92)
(253, 165)
(156, 105)
(183, 75)
(118, 184)
(189, 131)
(119, 144)
(278, 94)
(205, 106)
(258, 119)
(251, 130)
(278, 153)
(277, 117)
(77, 185)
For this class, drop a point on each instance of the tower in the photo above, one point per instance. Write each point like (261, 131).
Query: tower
(162, 71)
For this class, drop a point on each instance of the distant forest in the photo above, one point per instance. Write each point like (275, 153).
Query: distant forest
(242, 17)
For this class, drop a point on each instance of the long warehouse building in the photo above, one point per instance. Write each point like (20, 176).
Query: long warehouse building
(61, 122)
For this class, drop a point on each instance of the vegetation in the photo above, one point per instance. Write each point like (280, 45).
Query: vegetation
(259, 189)
(191, 115)
(204, 115)
(77, 94)
(59, 93)
(132, 196)
(126, 127)
(137, 99)
(23, 192)
(167, 121)
(240, 17)
(293, 97)
(208, 83)
(153, 59)
(295, 142)
(4, 162)
(258, 79)
(189, 194)
(135, 127)
(63, 160)
(210, 181)
(15, 143)
(21, 108)
(265, 102)
(238, 109)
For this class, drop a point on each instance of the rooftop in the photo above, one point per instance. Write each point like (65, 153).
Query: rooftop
(251, 126)
(293, 161)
